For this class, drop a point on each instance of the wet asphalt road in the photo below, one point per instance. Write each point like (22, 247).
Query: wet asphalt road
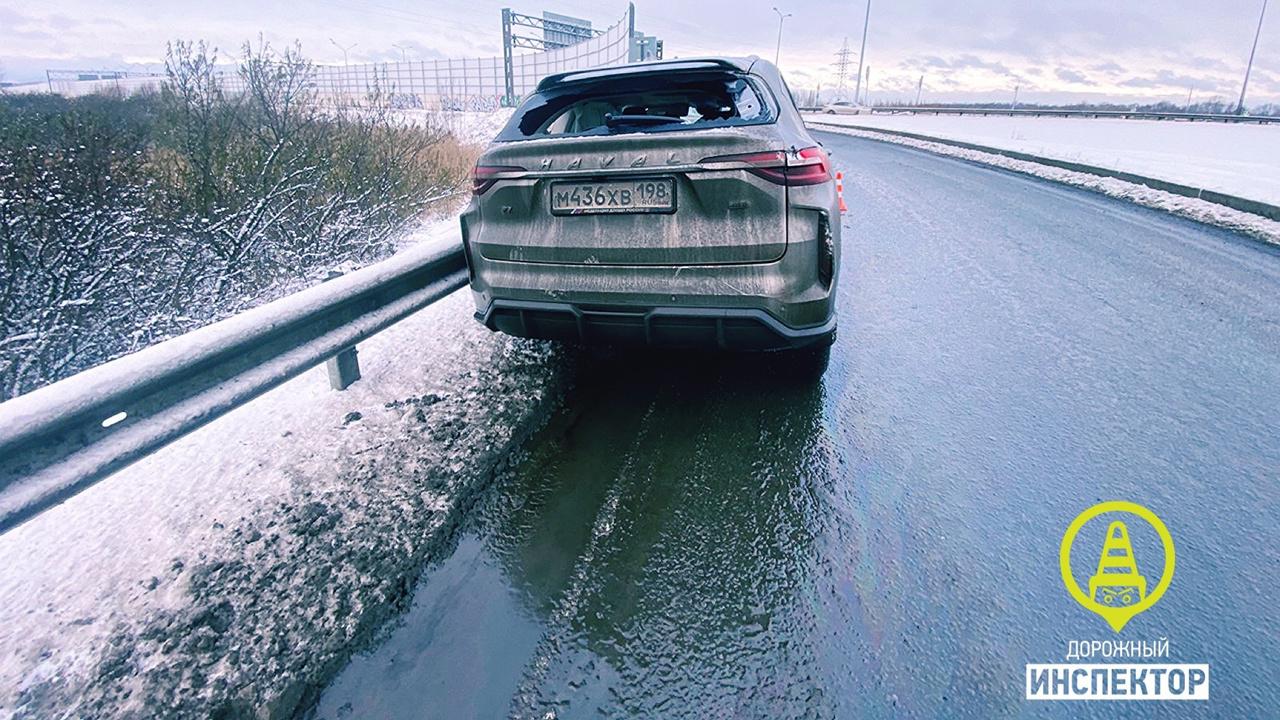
(703, 537)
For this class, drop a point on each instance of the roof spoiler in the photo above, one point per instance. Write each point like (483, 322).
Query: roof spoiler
(636, 68)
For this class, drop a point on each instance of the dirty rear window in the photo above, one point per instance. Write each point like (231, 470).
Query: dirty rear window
(667, 102)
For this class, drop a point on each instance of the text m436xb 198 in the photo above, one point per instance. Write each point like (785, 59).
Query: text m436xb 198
(676, 203)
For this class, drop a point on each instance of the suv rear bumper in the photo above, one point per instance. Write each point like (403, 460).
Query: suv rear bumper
(725, 328)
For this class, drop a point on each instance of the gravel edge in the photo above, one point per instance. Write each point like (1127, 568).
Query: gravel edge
(274, 611)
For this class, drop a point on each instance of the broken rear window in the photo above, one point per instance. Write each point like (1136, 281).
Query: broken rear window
(661, 102)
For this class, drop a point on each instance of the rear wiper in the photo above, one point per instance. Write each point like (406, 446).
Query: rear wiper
(615, 120)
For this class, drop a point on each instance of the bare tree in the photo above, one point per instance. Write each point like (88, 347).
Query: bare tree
(127, 220)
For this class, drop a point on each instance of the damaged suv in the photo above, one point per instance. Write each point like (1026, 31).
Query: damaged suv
(675, 203)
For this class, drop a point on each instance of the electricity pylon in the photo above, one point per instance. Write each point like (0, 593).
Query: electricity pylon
(842, 66)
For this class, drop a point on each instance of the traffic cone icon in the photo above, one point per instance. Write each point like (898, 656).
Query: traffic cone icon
(1117, 578)
(840, 191)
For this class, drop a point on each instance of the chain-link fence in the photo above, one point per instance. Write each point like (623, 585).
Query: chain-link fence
(466, 84)
(472, 83)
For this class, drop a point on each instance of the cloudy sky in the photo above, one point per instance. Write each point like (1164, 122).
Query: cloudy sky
(1059, 50)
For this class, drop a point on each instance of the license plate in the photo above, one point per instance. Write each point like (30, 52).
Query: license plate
(654, 195)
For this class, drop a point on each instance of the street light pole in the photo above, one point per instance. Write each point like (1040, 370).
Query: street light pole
(863, 52)
(1249, 67)
(781, 17)
(345, 72)
(343, 49)
(404, 51)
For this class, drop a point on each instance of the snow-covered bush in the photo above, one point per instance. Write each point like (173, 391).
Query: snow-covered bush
(127, 220)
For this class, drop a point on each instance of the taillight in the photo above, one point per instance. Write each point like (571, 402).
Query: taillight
(810, 167)
(484, 176)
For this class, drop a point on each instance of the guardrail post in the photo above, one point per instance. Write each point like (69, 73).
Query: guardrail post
(52, 440)
(344, 369)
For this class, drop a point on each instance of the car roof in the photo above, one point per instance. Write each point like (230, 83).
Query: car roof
(648, 68)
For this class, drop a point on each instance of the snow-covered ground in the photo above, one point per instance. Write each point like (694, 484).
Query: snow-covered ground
(1193, 208)
(234, 571)
(473, 127)
(1239, 159)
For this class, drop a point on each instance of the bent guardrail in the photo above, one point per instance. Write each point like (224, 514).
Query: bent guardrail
(62, 438)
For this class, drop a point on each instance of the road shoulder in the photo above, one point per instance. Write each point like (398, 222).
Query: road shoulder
(235, 571)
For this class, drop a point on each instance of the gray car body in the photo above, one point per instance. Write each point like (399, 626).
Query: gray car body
(737, 265)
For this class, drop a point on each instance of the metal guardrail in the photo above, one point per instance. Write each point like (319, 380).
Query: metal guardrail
(62, 438)
(1038, 112)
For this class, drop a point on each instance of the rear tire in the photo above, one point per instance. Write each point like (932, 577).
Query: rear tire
(809, 364)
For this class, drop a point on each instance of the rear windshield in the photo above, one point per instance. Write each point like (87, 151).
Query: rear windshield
(664, 102)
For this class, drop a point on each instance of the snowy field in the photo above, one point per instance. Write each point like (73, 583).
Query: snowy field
(472, 127)
(232, 571)
(1194, 208)
(1239, 159)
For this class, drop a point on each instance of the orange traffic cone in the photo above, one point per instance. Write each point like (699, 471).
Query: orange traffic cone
(840, 191)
